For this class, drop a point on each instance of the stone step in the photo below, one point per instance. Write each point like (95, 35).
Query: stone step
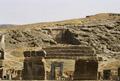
(71, 57)
(70, 51)
(69, 47)
(68, 54)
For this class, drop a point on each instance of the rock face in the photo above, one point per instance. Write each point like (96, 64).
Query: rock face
(27, 38)
(70, 36)
(103, 38)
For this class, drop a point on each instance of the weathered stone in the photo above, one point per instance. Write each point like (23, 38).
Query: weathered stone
(106, 74)
(33, 66)
(53, 72)
(85, 70)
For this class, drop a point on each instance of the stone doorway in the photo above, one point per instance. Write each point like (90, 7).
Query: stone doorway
(106, 74)
(56, 70)
(1, 73)
(1, 55)
(119, 73)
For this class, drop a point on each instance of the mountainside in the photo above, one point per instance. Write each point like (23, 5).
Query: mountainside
(101, 31)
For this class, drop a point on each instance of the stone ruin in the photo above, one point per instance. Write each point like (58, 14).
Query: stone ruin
(86, 70)
(34, 66)
(86, 64)
(6, 74)
(1, 54)
(53, 73)
(85, 67)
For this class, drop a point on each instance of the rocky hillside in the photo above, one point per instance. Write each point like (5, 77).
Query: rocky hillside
(101, 31)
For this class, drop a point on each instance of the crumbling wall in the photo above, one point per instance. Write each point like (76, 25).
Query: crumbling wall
(33, 71)
(33, 66)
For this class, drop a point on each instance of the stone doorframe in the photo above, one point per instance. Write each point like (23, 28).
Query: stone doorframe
(53, 67)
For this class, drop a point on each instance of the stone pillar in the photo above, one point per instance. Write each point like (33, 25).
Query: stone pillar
(33, 65)
(61, 69)
(1, 73)
(52, 76)
(2, 41)
(27, 71)
(2, 51)
(119, 74)
(53, 67)
(1, 62)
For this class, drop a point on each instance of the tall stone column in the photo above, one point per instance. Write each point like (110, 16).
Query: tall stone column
(61, 69)
(34, 67)
(52, 75)
(2, 54)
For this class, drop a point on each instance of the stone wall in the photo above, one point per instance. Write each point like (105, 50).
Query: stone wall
(85, 70)
(33, 66)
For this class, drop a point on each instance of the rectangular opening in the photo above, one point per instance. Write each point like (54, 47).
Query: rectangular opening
(1, 72)
(106, 74)
(1, 54)
(118, 72)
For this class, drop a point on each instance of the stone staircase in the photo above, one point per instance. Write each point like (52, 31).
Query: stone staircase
(69, 52)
